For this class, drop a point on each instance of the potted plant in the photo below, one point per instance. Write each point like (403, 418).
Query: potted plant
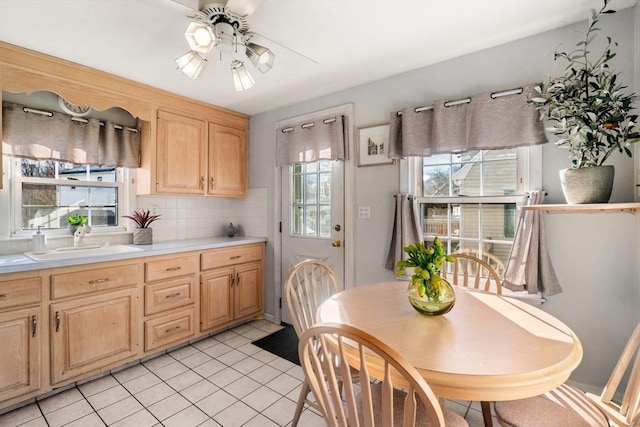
(591, 116)
(75, 221)
(143, 234)
(429, 293)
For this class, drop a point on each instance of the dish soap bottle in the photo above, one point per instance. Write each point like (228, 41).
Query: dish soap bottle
(39, 241)
(231, 230)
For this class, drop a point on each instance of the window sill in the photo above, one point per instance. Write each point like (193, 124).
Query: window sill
(587, 208)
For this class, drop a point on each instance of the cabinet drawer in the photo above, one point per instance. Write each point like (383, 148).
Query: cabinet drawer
(94, 280)
(230, 256)
(169, 329)
(169, 268)
(15, 293)
(167, 295)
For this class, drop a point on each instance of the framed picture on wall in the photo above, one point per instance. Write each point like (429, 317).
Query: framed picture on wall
(373, 146)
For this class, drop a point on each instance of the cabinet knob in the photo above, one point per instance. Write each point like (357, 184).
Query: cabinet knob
(211, 182)
(57, 321)
(34, 325)
(202, 182)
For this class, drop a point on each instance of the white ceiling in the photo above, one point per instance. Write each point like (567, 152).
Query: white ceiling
(353, 41)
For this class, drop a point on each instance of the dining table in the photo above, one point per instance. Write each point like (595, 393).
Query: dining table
(489, 347)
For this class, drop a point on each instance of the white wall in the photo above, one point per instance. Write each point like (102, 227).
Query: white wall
(596, 256)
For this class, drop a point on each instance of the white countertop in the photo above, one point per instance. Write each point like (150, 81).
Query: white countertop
(20, 262)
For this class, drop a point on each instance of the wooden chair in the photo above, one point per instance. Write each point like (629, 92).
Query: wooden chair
(308, 285)
(367, 403)
(471, 271)
(495, 262)
(569, 406)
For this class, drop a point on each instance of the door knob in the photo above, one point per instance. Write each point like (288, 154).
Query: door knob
(336, 243)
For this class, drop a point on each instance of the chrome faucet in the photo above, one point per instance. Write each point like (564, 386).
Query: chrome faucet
(78, 236)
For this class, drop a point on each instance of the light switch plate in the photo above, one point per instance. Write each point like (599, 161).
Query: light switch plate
(364, 212)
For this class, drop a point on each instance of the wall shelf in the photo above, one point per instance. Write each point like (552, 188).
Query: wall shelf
(587, 208)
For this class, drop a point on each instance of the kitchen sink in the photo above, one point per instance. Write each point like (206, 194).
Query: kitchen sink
(81, 252)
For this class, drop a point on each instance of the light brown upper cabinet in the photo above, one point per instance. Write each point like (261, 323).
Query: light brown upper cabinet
(194, 159)
(228, 158)
(175, 139)
(181, 157)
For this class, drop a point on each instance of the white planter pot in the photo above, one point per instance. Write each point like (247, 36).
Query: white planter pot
(587, 185)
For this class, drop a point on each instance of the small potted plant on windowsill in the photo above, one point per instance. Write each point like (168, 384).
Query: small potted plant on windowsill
(143, 234)
(76, 221)
(591, 116)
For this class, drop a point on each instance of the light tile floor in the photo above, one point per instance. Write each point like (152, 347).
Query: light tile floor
(222, 380)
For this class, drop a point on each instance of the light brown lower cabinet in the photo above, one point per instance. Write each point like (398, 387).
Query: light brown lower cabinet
(93, 332)
(20, 340)
(92, 318)
(228, 294)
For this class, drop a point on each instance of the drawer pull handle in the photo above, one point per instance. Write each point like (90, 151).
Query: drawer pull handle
(174, 268)
(173, 295)
(175, 328)
(57, 321)
(236, 256)
(34, 325)
(3, 296)
(96, 281)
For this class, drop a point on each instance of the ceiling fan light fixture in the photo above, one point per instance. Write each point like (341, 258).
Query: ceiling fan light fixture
(191, 64)
(241, 77)
(226, 37)
(200, 37)
(261, 57)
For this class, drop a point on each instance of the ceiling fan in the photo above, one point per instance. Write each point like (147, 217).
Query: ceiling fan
(225, 27)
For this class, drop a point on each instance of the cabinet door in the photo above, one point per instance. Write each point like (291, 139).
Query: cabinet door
(92, 333)
(19, 352)
(248, 289)
(228, 162)
(216, 300)
(181, 154)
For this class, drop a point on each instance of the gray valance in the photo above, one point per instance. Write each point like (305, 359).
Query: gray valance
(56, 137)
(484, 122)
(312, 141)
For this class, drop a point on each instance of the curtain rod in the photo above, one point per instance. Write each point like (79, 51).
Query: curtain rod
(75, 119)
(467, 100)
(308, 125)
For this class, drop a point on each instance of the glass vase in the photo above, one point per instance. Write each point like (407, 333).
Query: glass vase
(438, 299)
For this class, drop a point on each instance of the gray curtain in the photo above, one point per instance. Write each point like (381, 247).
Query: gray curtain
(529, 265)
(406, 228)
(486, 122)
(57, 137)
(312, 141)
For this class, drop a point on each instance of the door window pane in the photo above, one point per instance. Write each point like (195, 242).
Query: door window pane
(310, 199)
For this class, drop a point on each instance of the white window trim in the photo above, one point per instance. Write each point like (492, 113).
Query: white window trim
(125, 197)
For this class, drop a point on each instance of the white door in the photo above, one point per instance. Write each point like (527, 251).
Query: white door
(312, 224)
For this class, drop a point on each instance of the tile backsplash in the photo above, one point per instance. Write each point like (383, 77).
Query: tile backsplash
(194, 217)
(182, 217)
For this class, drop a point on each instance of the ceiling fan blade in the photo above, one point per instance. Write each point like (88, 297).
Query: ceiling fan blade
(243, 7)
(250, 35)
(197, 5)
